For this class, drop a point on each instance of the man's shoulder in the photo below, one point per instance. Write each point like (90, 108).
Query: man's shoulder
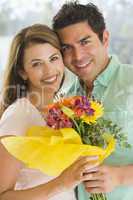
(126, 72)
(121, 72)
(123, 78)
(73, 88)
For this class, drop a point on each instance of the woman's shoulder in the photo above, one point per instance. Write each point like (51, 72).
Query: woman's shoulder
(19, 108)
(19, 116)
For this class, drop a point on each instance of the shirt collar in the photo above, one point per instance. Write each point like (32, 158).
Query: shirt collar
(105, 77)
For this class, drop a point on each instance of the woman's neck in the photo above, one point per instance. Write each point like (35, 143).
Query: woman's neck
(40, 100)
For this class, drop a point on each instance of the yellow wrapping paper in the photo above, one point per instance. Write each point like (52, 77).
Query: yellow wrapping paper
(52, 151)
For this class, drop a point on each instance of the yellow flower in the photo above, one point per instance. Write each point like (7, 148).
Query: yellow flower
(98, 112)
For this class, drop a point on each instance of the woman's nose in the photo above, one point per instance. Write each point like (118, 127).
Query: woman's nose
(47, 67)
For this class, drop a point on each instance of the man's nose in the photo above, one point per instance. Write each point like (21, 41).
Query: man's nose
(77, 54)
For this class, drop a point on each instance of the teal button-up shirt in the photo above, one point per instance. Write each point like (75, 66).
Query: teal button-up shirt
(114, 88)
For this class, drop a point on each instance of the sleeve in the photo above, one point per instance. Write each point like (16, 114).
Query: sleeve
(16, 120)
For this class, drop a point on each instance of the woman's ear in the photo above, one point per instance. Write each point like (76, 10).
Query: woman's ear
(23, 74)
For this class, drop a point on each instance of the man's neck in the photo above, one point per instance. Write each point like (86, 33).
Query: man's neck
(89, 84)
(89, 88)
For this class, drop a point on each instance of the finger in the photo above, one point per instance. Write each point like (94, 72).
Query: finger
(86, 162)
(94, 176)
(95, 190)
(86, 176)
(93, 184)
(89, 167)
(87, 158)
(92, 170)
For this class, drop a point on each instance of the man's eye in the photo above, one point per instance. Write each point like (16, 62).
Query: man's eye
(84, 42)
(65, 48)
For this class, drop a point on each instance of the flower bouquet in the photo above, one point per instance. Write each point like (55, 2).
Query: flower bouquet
(75, 127)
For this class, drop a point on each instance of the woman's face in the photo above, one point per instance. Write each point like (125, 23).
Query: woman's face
(43, 68)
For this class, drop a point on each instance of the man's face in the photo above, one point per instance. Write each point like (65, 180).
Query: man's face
(83, 52)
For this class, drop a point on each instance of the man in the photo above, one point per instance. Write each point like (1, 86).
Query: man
(85, 41)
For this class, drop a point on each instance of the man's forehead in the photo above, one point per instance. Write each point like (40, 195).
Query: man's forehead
(75, 33)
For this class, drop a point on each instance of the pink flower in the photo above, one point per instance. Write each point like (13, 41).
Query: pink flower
(57, 119)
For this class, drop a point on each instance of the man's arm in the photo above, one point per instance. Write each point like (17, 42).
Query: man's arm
(108, 178)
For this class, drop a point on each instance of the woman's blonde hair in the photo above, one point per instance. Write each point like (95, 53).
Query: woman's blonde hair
(34, 34)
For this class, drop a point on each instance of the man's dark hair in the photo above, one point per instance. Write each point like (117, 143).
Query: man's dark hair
(73, 12)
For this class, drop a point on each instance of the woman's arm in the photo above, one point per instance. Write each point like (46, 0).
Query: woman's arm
(68, 179)
(9, 169)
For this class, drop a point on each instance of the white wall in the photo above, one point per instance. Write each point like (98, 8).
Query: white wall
(4, 48)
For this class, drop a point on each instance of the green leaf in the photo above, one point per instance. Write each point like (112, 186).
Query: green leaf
(107, 137)
(67, 111)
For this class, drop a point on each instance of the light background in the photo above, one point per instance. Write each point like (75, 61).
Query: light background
(15, 15)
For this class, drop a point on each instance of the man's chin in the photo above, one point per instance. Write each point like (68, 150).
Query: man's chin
(83, 74)
(83, 70)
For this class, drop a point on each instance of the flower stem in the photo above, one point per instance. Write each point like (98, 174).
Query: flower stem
(100, 196)
(77, 126)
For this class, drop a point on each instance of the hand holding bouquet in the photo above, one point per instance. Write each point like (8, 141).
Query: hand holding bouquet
(75, 127)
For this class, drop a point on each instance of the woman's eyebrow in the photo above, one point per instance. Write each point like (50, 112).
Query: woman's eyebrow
(35, 60)
(41, 59)
(54, 54)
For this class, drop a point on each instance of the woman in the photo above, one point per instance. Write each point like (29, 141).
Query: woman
(33, 76)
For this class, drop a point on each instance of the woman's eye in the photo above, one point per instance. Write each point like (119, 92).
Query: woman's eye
(54, 58)
(37, 64)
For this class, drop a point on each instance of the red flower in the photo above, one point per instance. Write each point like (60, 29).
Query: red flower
(57, 119)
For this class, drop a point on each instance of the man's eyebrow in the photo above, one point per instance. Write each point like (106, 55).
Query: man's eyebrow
(84, 38)
(80, 40)
(64, 44)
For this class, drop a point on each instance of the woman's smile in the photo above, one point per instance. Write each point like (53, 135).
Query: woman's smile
(50, 79)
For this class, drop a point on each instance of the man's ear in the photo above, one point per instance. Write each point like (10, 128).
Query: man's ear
(106, 38)
(23, 74)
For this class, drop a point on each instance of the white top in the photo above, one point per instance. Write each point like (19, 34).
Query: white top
(16, 119)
